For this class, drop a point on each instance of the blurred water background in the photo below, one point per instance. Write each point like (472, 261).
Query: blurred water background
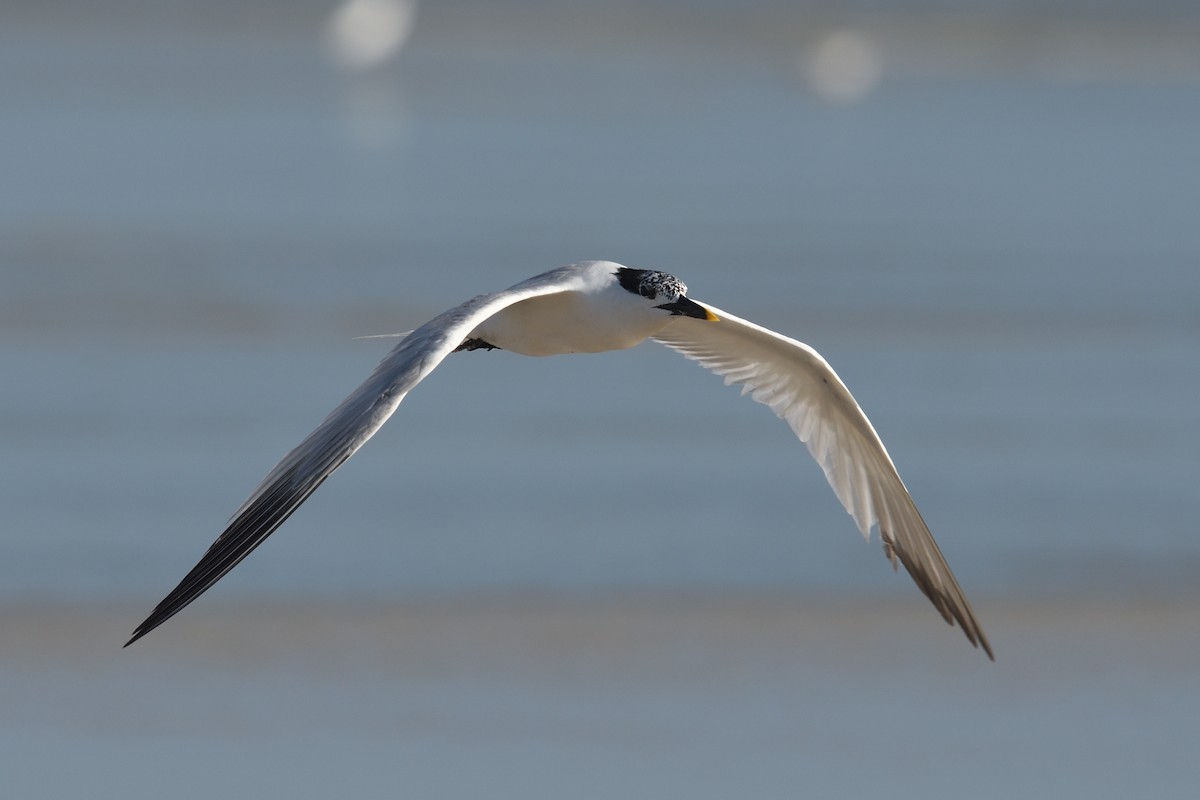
(604, 575)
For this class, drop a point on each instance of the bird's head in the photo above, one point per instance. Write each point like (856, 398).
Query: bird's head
(669, 292)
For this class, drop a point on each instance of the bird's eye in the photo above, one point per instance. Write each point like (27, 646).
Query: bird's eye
(660, 283)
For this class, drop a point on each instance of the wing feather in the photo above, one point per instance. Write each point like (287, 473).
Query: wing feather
(345, 430)
(795, 382)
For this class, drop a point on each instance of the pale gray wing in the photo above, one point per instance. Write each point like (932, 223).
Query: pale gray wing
(795, 382)
(345, 430)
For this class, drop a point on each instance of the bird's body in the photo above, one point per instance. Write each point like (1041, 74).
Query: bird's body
(596, 306)
(572, 322)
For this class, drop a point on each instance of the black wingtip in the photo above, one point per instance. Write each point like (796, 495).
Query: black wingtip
(169, 607)
(137, 634)
(148, 625)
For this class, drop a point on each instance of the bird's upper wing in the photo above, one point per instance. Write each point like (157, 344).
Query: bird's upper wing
(801, 388)
(345, 430)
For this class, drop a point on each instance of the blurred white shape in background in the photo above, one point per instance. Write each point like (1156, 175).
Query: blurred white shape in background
(843, 66)
(362, 34)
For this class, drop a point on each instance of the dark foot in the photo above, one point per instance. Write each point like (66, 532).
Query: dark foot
(475, 344)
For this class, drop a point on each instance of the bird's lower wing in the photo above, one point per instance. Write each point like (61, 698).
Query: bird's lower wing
(795, 382)
(345, 430)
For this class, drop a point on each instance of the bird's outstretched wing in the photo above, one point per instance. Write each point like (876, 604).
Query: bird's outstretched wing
(345, 430)
(801, 388)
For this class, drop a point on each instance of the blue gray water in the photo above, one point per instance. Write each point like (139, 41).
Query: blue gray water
(996, 245)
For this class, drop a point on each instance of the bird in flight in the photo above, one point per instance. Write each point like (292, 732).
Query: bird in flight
(592, 307)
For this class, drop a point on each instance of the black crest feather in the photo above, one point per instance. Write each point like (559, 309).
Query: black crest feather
(650, 283)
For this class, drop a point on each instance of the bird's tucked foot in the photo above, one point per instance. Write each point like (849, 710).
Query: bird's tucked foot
(475, 344)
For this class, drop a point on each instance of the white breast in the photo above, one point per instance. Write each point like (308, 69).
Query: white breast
(573, 322)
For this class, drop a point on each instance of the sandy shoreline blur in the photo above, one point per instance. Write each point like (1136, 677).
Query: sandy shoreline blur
(535, 628)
